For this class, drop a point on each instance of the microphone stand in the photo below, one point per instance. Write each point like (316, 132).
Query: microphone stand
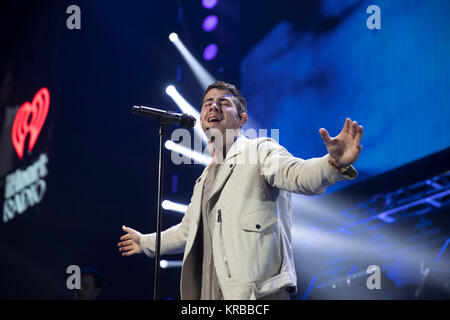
(162, 123)
(165, 118)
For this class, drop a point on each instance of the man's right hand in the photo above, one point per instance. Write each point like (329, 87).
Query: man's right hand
(130, 243)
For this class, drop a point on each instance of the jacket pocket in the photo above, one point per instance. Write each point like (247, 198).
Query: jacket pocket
(258, 221)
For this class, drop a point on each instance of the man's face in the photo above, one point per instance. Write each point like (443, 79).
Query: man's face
(219, 111)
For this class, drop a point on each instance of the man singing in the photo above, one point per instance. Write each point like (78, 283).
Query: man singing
(236, 233)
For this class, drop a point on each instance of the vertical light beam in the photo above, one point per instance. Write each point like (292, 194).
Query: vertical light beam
(203, 76)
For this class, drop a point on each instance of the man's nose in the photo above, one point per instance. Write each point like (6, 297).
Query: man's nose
(214, 106)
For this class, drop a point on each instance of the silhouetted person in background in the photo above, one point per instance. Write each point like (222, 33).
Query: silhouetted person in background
(91, 284)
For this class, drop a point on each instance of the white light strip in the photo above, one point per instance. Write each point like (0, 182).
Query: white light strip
(170, 264)
(181, 102)
(186, 107)
(198, 157)
(173, 206)
(199, 71)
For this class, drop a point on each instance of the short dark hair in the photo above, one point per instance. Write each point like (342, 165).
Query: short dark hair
(97, 275)
(241, 104)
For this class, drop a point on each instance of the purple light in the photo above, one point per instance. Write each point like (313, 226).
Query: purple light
(210, 23)
(209, 4)
(210, 52)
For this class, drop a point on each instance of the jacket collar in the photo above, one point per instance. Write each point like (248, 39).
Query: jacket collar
(235, 149)
(226, 170)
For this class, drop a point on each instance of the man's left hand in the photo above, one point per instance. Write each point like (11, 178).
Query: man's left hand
(344, 149)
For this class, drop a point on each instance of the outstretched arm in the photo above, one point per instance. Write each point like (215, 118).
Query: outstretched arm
(130, 243)
(173, 239)
(344, 149)
(312, 176)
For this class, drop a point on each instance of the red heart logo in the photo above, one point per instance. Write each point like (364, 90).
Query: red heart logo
(30, 119)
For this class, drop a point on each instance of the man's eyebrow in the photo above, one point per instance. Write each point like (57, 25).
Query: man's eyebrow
(224, 97)
(210, 99)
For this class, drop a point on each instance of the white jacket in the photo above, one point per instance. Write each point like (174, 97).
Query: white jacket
(251, 205)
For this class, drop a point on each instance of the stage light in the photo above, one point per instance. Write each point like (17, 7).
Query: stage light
(186, 107)
(170, 264)
(209, 4)
(169, 144)
(173, 37)
(199, 71)
(200, 158)
(182, 103)
(210, 23)
(352, 234)
(170, 90)
(173, 206)
(210, 52)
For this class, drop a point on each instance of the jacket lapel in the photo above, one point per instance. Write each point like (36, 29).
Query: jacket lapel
(222, 176)
(226, 167)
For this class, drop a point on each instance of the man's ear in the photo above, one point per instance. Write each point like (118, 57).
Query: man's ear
(243, 119)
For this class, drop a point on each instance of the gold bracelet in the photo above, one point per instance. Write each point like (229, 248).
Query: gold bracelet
(331, 163)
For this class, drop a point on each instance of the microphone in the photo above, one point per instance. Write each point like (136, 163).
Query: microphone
(164, 116)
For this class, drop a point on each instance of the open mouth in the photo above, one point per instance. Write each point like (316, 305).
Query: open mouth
(214, 119)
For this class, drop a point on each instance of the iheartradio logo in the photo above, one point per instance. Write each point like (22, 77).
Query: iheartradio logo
(30, 119)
